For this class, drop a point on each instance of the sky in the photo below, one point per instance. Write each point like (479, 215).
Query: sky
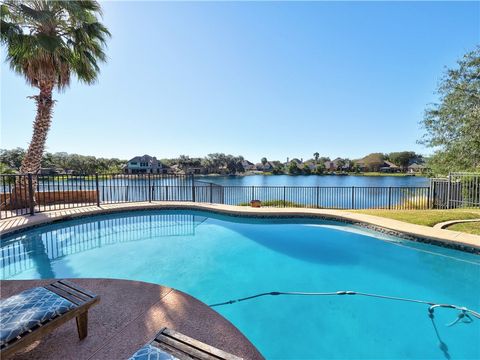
(273, 79)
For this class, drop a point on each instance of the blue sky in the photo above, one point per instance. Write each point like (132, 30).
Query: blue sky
(257, 79)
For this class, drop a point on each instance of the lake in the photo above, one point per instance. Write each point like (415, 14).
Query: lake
(328, 191)
(316, 180)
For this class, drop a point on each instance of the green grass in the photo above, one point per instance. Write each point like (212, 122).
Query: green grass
(382, 174)
(276, 203)
(468, 227)
(425, 217)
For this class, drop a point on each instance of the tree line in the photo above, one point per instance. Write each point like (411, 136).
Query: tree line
(11, 162)
(216, 163)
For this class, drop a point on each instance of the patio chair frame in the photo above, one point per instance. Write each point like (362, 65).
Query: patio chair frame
(82, 298)
(185, 347)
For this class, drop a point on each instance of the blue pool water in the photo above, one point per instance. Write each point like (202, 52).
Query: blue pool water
(217, 258)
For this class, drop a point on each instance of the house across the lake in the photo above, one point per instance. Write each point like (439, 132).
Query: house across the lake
(415, 168)
(389, 167)
(267, 167)
(145, 164)
(248, 166)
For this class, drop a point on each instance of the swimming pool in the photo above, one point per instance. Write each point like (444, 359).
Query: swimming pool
(217, 258)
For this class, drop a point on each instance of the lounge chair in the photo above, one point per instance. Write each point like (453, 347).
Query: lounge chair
(172, 345)
(33, 313)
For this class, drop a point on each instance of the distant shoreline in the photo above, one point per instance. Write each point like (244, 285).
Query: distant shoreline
(367, 174)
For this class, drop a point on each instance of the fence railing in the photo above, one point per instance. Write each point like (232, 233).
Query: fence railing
(29, 194)
(456, 190)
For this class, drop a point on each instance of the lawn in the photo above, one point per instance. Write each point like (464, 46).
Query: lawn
(382, 174)
(425, 217)
(470, 227)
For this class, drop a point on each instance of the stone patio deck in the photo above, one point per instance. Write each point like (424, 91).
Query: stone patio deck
(129, 315)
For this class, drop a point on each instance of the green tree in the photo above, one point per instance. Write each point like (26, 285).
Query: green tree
(47, 42)
(340, 163)
(293, 168)
(4, 169)
(403, 158)
(374, 161)
(278, 169)
(320, 169)
(316, 155)
(12, 158)
(452, 126)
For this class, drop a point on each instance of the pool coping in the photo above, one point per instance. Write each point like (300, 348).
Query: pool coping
(432, 235)
(446, 224)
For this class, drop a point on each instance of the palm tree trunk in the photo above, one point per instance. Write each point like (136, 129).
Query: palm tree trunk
(33, 158)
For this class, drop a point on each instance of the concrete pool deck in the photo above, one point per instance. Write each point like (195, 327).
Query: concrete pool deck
(438, 235)
(128, 316)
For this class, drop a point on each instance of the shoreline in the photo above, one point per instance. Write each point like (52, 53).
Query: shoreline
(367, 174)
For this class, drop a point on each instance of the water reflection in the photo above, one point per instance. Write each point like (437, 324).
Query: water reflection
(39, 248)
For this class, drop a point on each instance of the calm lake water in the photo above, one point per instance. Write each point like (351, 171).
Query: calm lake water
(315, 180)
(329, 191)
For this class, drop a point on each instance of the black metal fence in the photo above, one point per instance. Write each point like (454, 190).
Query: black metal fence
(456, 190)
(28, 194)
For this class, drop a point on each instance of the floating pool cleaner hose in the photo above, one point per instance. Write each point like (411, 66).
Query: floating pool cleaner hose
(464, 314)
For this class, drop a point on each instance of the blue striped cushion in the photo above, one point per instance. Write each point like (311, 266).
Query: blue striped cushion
(24, 311)
(149, 352)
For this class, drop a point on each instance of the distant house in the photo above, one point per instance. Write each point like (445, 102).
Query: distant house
(415, 168)
(248, 166)
(276, 164)
(267, 167)
(145, 164)
(389, 167)
(329, 165)
(186, 169)
(360, 165)
(341, 164)
(310, 165)
(53, 171)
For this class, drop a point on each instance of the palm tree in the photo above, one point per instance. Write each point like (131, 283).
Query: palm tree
(47, 42)
(316, 155)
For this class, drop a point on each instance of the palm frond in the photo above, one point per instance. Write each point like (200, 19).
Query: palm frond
(53, 40)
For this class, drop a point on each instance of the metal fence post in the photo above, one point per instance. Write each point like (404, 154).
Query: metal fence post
(428, 198)
(389, 197)
(353, 197)
(318, 192)
(253, 192)
(211, 193)
(149, 188)
(448, 190)
(30, 195)
(97, 189)
(193, 187)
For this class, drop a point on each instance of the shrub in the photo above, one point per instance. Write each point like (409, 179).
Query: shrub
(415, 203)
